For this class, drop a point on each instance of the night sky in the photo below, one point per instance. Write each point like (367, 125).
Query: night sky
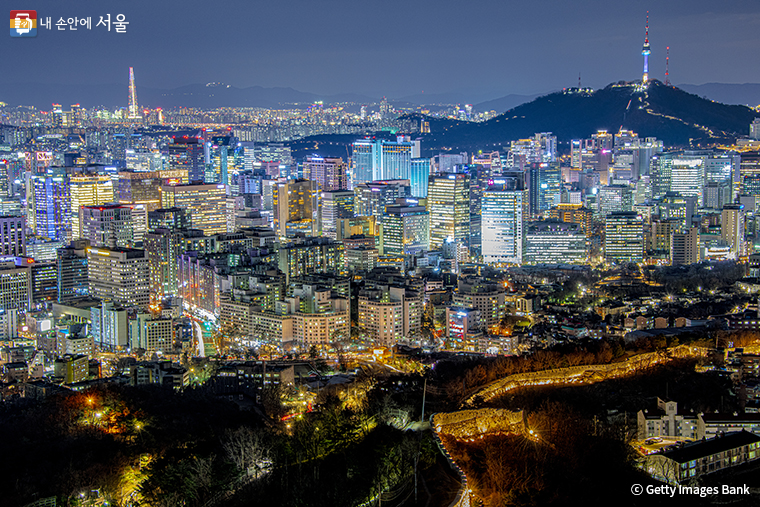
(395, 47)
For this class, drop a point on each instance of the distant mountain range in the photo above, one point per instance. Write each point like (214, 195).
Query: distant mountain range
(668, 113)
(197, 96)
(220, 95)
(747, 94)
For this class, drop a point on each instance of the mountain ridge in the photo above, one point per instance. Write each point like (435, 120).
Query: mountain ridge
(674, 116)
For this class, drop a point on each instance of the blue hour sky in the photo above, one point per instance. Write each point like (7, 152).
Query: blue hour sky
(486, 48)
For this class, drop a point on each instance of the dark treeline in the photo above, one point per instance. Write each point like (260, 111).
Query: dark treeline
(704, 276)
(158, 447)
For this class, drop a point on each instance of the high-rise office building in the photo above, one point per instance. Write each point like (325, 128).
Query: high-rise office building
(722, 167)
(378, 159)
(219, 157)
(502, 216)
(732, 222)
(687, 175)
(145, 187)
(661, 234)
(51, 201)
(624, 237)
(372, 198)
(169, 218)
(120, 275)
(44, 277)
(151, 333)
(684, 247)
(544, 185)
(107, 226)
(12, 236)
(163, 246)
(206, 205)
(749, 173)
(88, 190)
(336, 205)
(276, 153)
(310, 255)
(329, 173)
(448, 204)
(615, 198)
(405, 230)
(15, 284)
(420, 173)
(72, 271)
(186, 154)
(555, 242)
(296, 208)
(717, 194)
(576, 214)
(660, 172)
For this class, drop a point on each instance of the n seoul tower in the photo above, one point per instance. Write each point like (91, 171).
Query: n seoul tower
(645, 52)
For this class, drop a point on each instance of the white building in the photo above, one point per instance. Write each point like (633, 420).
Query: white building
(119, 275)
(502, 219)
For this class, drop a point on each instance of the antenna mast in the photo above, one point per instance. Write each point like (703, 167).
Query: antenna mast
(667, 66)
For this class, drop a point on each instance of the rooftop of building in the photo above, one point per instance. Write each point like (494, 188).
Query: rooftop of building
(704, 448)
(731, 418)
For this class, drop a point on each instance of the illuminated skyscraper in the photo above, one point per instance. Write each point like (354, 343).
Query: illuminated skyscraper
(133, 111)
(574, 213)
(12, 236)
(545, 181)
(684, 247)
(296, 208)
(163, 246)
(419, 176)
(219, 157)
(613, 198)
(732, 228)
(555, 242)
(624, 237)
(336, 205)
(206, 205)
(186, 153)
(502, 217)
(329, 173)
(107, 226)
(687, 175)
(88, 190)
(52, 206)
(145, 187)
(405, 230)
(72, 271)
(371, 198)
(119, 275)
(448, 204)
(374, 160)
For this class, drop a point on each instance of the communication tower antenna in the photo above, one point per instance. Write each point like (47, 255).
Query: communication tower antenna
(667, 66)
(645, 52)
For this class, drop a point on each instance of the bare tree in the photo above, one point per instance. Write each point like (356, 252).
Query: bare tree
(248, 450)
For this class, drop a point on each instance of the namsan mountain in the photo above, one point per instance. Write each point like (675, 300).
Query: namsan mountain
(656, 110)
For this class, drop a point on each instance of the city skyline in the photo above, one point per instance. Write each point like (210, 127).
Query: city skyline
(358, 294)
(394, 52)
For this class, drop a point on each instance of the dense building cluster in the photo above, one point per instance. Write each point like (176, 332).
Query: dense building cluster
(125, 233)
